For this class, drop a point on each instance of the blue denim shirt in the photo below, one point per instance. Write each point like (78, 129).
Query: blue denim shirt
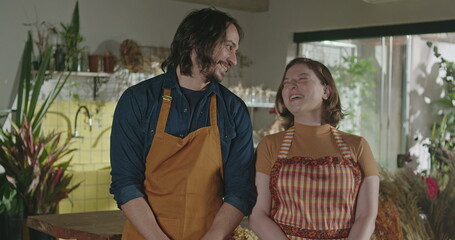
(133, 129)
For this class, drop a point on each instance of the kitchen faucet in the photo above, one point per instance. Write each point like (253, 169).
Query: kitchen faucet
(76, 132)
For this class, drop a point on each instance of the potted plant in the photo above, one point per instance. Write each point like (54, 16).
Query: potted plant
(72, 38)
(46, 34)
(35, 176)
(11, 209)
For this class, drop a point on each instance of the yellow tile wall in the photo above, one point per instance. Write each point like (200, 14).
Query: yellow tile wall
(90, 164)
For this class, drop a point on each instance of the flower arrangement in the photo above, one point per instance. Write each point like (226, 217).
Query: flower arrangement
(424, 201)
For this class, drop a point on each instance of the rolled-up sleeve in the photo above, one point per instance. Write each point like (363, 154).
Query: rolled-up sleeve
(126, 150)
(239, 169)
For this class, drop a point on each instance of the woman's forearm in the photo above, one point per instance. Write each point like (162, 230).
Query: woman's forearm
(363, 228)
(366, 210)
(259, 220)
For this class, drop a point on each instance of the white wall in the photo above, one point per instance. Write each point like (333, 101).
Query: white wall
(153, 22)
(103, 23)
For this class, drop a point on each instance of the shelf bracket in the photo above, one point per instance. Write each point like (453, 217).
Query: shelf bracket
(97, 82)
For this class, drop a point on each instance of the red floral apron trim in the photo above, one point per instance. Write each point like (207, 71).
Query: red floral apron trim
(315, 234)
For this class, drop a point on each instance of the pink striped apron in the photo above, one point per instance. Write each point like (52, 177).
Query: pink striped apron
(314, 198)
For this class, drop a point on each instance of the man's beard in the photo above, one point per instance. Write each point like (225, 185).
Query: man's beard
(211, 76)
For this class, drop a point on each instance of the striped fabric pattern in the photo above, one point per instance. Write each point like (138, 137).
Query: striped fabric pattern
(286, 144)
(345, 152)
(167, 98)
(314, 198)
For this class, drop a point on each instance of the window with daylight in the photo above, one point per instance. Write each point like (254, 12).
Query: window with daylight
(390, 82)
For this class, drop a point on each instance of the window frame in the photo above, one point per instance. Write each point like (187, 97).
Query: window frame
(376, 31)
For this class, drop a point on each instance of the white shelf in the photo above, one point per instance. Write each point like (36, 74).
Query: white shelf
(84, 74)
(260, 105)
(96, 76)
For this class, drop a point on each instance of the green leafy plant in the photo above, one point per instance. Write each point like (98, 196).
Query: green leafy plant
(443, 132)
(45, 32)
(448, 100)
(72, 39)
(355, 79)
(28, 156)
(32, 168)
(30, 88)
(10, 202)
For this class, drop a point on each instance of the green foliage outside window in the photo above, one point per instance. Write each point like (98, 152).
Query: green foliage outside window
(355, 80)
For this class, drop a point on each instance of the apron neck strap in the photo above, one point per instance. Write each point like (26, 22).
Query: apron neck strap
(289, 137)
(166, 106)
(342, 146)
(164, 112)
(213, 117)
(286, 143)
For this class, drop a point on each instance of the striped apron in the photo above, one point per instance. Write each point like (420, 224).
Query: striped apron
(314, 198)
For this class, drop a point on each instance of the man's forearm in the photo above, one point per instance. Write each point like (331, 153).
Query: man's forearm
(141, 216)
(226, 220)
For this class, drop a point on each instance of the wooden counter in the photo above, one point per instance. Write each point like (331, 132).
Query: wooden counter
(104, 225)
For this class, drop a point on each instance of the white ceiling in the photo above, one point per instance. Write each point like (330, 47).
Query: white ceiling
(259, 5)
(243, 5)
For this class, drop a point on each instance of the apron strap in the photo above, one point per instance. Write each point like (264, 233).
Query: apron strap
(286, 143)
(166, 106)
(164, 112)
(213, 117)
(342, 146)
(289, 137)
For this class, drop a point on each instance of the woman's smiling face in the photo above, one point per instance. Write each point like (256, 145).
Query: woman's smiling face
(303, 92)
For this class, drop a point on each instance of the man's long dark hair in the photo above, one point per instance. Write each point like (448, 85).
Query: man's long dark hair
(200, 30)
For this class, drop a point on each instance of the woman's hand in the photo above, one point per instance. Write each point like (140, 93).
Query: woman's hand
(259, 220)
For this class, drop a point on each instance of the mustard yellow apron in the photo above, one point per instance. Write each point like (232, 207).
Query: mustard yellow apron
(183, 178)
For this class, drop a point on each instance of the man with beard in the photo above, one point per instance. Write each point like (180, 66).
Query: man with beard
(181, 143)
